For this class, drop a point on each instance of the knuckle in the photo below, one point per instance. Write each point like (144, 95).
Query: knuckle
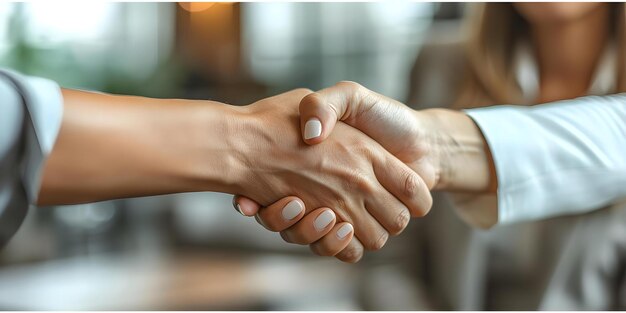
(420, 212)
(359, 180)
(322, 250)
(401, 222)
(424, 206)
(428, 203)
(341, 206)
(350, 255)
(411, 185)
(311, 99)
(360, 149)
(377, 243)
(303, 90)
(350, 85)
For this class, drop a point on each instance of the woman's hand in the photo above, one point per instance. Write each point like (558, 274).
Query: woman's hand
(350, 173)
(328, 241)
(392, 124)
(445, 147)
(396, 127)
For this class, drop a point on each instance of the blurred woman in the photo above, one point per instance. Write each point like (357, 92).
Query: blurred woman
(522, 53)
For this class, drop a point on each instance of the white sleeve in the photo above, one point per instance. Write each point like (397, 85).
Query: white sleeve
(30, 117)
(561, 158)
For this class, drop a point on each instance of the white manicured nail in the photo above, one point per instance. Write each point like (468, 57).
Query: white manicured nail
(324, 220)
(292, 209)
(344, 231)
(312, 128)
(237, 207)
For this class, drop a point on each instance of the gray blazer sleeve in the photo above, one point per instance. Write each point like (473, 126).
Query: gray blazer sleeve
(30, 117)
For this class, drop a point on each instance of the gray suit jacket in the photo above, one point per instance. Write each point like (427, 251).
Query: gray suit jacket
(30, 118)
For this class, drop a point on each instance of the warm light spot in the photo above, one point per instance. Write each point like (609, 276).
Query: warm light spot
(196, 6)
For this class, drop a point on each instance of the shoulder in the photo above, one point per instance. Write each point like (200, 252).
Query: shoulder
(438, 70)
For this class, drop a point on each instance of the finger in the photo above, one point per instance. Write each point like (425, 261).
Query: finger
(383, 119)
(352, 253)
(320, 111)
(392, 214)
(367, 229)
(245, 206)
(404, 184)
(335, 241)
(311, 228)
(383, 206)
(282, 214)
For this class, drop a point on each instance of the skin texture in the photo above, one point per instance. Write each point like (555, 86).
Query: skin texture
(444, 147)
(350, 173)
(116, 146)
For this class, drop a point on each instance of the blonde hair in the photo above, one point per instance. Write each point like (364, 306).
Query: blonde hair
(494, 28)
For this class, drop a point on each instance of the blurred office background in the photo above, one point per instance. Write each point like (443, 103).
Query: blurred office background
(193, 251)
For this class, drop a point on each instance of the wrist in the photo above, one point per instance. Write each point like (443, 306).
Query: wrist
(456, 150)
(211, 156)
(431, 139)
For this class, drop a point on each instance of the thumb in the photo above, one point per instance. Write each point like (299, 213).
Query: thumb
(383, 119)
(245, 206)
(320, 111)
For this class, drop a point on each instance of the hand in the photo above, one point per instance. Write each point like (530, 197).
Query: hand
(443, 146)
(390, 123)
(350, 173)
(398, 128)
(302, 228)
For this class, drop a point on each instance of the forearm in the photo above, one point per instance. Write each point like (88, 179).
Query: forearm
(119, 146)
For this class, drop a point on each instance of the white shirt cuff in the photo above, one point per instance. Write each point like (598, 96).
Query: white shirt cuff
(563, 158)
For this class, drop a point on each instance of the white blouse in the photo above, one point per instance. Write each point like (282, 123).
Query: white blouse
(566, 157)
(540, 152)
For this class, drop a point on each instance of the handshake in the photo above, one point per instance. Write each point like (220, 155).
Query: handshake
(340, 169)
(344, 168)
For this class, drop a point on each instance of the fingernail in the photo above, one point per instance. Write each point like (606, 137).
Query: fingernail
(324, 220)
(237, 207)
(344, 231)
(292, 209)
(312, 128)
